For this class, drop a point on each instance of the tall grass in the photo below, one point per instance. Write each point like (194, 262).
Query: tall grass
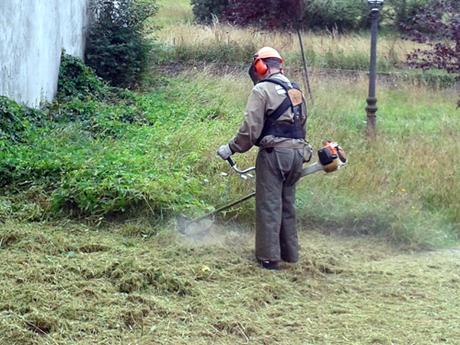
(155, 155)
(329, 49)
(182, 41)
(403, 186)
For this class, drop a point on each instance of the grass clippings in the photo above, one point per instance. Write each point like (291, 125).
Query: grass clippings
(72, 284)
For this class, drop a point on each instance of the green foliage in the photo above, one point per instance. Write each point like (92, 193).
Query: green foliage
(154, 153)
(109, 159)
(205, 10)
(84, 97)
(15, 119)
(340, 15)
(77, 80)
(116, 47)
(402, 12)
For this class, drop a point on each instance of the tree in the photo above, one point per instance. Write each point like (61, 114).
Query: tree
(205, 10)
(273, 14)
(116, 47)
(285, 14)
(437, 25)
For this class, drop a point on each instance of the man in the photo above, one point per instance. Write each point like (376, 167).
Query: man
(274, 120)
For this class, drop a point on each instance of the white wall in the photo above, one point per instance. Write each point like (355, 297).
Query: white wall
(32, 35)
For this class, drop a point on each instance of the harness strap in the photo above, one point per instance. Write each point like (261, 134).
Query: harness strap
(285, 104)
(280, 110)
(285, 130)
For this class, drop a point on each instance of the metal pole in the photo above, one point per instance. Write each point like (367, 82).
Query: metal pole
(304, 62)
(300, 19)
(371, 108)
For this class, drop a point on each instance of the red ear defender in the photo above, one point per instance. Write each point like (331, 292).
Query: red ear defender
(260, 66)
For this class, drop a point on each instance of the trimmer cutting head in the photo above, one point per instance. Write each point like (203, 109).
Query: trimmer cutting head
(194, 228)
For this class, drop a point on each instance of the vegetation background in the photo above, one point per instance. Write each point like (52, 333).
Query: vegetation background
(92, 183)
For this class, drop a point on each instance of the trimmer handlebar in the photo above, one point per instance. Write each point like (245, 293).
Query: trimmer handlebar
(310, 169)
(239, 171)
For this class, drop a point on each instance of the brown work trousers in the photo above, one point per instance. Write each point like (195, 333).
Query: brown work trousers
(277, 171)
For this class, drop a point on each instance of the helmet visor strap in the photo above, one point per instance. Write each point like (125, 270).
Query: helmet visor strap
(253, 74)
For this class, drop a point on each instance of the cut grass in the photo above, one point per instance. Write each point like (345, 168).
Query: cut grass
(70, 284)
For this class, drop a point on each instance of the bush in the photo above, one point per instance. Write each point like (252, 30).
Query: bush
(116, 48)
(281, 14)
(205, 10)
(438, 26)
(338, 15)
(404, 10)
(77, 80)
(341, 15)
(15, 119)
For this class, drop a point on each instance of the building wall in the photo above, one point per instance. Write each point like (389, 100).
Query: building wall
(32, 36)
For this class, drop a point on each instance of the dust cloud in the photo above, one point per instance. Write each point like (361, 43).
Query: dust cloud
(206, 233)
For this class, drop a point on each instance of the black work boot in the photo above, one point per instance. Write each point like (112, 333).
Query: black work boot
(269, 265)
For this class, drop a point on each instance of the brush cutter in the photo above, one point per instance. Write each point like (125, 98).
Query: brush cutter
(331, 157)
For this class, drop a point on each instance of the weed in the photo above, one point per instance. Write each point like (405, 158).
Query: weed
(116, 47)
(16, 120)
(77, 80)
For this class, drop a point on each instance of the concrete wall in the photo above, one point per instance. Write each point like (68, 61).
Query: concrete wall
(32, 35)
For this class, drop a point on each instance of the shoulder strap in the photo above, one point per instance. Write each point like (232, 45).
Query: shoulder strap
(281, 109)
(286, 103)
(281, 83)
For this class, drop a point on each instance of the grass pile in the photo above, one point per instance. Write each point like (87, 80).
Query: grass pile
(70, 284)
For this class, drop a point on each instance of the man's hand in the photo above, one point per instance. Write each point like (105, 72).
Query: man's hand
(224, 152)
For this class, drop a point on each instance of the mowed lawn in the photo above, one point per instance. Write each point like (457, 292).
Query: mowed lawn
(130, 284)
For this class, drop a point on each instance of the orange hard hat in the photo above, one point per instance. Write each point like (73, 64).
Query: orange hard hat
(267, 52)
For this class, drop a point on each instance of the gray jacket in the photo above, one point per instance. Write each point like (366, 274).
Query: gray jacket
(264, 99)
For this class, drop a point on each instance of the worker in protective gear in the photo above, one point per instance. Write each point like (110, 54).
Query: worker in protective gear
(275, 121)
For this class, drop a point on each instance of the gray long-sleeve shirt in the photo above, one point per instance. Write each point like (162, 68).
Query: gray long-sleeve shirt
(264, 99)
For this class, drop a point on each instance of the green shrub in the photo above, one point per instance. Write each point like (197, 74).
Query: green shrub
(204, 10)
(84, 97)
(401, 12)
(116, 47)
(15, 119)
(77, 80)
(339, 14)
